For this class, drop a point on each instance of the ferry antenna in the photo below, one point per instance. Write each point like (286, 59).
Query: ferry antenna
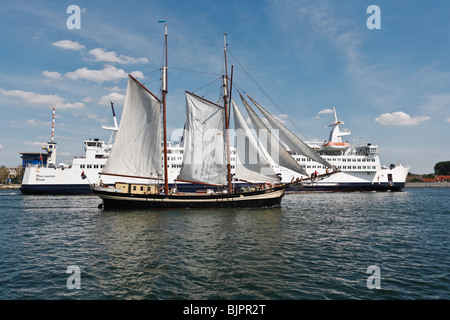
(53, 124)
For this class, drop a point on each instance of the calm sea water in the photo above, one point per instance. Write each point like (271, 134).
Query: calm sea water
(315, 246)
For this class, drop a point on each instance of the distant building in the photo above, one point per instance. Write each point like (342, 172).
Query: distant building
(13, 171)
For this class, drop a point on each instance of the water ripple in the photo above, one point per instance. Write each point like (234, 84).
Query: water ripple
(315, 246)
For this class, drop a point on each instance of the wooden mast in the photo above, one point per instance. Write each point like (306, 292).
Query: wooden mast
(225, 99)
(164, 92)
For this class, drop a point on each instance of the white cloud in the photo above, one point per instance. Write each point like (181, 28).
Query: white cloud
(51, 75)
(115, 97)
(325, 111)
(111, 56)
(41, 99)
(109, 73)
(400, 118)
(447, 119)
(68, 44)
(2, 146)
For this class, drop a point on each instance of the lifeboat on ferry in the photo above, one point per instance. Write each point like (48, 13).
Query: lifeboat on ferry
(336, 146)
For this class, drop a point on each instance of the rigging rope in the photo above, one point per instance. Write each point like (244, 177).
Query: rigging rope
(265, 93)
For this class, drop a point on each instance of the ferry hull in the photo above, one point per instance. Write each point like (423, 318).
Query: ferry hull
(347, 187)
(56, 189)
(54, 181)
(262, 198)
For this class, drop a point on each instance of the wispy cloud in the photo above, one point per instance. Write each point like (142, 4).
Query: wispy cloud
(400, 118)
(34, 143)
(31, 123)
(447, 119)
(437, 102)
(324, 111)
(33, 98)
(68, 45)
(100, 54)
(96, 118)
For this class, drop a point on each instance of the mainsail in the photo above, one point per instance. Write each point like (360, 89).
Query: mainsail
(277, 152)
(137, 148)
(291, 140)
(204, 156)
(251, 165)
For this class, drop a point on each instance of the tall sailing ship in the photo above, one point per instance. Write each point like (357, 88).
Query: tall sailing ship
(135, 161)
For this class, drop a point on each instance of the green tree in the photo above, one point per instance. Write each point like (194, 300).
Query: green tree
(19, 176)
(4, 173)
(442, 168)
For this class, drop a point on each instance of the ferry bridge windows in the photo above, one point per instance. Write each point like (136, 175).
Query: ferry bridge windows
(90, 166)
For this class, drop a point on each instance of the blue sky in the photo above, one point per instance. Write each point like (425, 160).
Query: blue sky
(391, 86)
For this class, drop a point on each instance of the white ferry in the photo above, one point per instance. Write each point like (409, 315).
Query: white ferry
(68, 179)
(359, 167)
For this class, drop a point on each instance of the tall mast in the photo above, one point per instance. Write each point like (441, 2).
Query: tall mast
(225, 99)
(164, 92)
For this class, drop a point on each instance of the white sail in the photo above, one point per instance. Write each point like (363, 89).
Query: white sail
(251, 165)
(291, 140)
(204, 156)
(137, 148)
(277, 152)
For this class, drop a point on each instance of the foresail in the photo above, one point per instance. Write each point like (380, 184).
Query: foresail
(251, 165)
(291, 140)
(137, 147)
(276, 151)
(204, 156)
